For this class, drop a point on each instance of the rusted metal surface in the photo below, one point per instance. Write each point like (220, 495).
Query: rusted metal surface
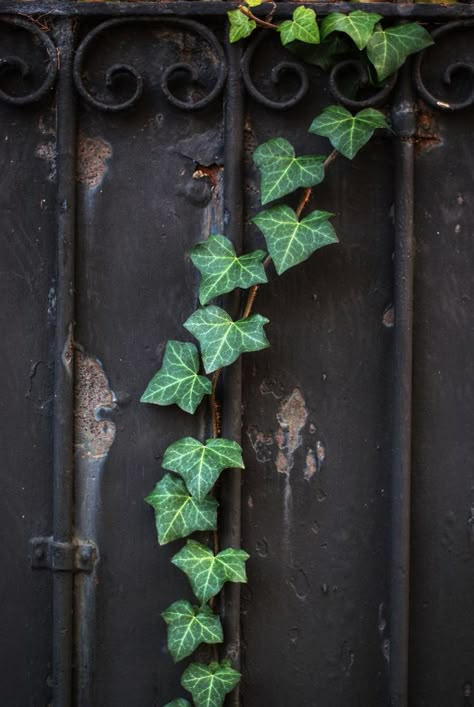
(318, 412)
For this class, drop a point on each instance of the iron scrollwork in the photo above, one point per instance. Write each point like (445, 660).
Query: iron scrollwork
(116, 71)
(13, 64)
(362, 81)
(277, 71)
(450, 72)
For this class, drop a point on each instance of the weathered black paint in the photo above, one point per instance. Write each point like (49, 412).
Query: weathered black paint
(330, 615)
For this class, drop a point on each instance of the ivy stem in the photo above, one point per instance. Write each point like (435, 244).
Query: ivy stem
(307, 192)
(248, 13)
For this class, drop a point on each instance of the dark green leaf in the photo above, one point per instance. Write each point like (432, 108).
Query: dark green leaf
(209, 684)
(303, 26)
(201, 464)
(325, 54)
(189, 626)
(282, 172)
(178, 381)
(291, 241)
(179, 702)
(241, 26)
(208, 572)
(358, 25)
(222, 271)
(348, 133)
(387, 49)
(223, 340)
(177, 513)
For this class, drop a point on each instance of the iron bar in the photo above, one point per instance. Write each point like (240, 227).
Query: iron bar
(64, 364)
(202, 8)
(404, 123)
(230, 535)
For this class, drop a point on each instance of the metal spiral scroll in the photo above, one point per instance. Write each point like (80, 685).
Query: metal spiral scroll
(276, 73)
(117, 70)
(17, 65)
(449, 73)
(356, 66)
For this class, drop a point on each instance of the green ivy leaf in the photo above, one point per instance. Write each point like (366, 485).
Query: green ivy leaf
(179, 702)
(223, 340)
(189, 626)
(282, 172)
(348, 133)
(209, 684)
(358, 25)
(241, 26)
(291, 241)
(387, 49)
(222, 271)
(208, 572)
(253, 3)
(177, 513)
(178, 381)
(303, 26)
(201, 464)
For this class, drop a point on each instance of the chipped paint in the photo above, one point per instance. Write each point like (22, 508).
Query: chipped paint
(93, 154)
(292, 418)
(311, 466)
(47, 151)
(93, 435)
(262, 444)
(388, 317)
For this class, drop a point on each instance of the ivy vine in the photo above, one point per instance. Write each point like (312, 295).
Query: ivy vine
(183, 500)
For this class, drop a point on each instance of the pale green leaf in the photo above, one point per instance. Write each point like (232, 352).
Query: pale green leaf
(291, 241)
(348, 133)
(201, 464)
(178, 380)
(177, 513)
(179, 702)
(222, 340)
(253, 3)
(241, 26)
(189, 626)
(209, 684)
(208, 572)
(282, 172)
(222, 271)
(387, 49)
(358, 25)
(303, 26)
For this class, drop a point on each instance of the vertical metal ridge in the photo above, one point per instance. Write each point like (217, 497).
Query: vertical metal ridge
(230, 512)
(404, 123)
(64, 365)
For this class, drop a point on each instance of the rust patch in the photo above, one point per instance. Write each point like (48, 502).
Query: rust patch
(92, 156)
(93, 435)
(427, 131)
(292, 418)
(311, 466)
(210, 172)
(388, 318)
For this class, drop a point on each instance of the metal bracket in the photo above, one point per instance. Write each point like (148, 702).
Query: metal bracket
(78, 556)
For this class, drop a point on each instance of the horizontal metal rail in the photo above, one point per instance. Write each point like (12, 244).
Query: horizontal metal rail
(202, 8)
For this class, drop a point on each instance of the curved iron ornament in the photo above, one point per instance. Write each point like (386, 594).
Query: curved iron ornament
(358, 67)
(15, 64)
(449, 72)
(117, 70)
(276, 73)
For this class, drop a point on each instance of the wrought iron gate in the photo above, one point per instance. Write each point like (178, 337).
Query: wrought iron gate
(127, 130)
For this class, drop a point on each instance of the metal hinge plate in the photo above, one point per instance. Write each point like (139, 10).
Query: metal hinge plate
(62, 557)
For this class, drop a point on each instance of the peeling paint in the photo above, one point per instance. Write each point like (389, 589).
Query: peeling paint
(292, 418)
(388, 317)
(262, 444)
(92, 156)
(47, 151)
(310, 467)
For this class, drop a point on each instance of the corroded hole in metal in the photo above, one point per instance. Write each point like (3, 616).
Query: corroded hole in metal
(292, 418)
(92, 156)
(93, 436)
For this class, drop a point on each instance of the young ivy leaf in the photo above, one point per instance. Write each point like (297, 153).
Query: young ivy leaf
(201, 464)
(282, 172)
(290, 241)
(178, 380)
(358, 25)
(303, 26)
(241, 26)
(387, 49)
(223, 340)
(222, 271)
(179, 702)
(208, 572)
(209, 684)
(177, 513)
(348, 133)
(189, 626)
